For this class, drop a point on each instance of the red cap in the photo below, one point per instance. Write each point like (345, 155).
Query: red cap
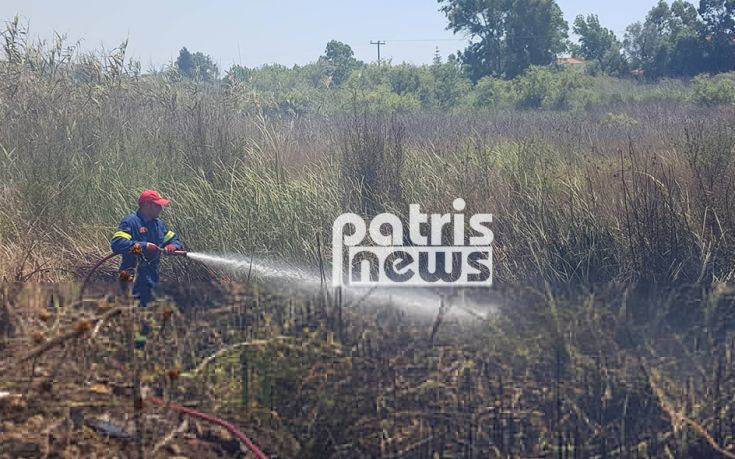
(152, 196)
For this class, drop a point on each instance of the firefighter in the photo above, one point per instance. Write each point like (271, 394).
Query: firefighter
(140, 237)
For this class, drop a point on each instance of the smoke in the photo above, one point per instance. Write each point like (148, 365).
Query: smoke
(421, 302)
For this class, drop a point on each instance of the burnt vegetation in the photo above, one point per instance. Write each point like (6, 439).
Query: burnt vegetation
(614, 249)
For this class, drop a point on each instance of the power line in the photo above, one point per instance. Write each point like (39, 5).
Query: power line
(378, 43)
(429, 39)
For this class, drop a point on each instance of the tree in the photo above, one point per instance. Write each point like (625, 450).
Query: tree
(238, 73)
(599, 44)
(536, 33)
(450, 82)
(205, 68)
(339, 60)
(646, 43)
(669, 42)
(508, 35)
(184, 63)
(196, 66)
(687, 50)
(718, 17)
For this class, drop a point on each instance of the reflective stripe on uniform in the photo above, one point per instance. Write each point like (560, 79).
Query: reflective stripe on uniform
(123, 235)
(169, 235)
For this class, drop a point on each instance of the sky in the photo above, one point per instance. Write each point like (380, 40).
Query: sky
(287, 32)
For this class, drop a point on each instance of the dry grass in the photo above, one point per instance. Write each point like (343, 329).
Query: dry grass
(614, 247)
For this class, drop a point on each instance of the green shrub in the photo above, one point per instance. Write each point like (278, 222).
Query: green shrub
(379, 99)
(583, 99)
(542, 87)
(711, 91)
(491, 92)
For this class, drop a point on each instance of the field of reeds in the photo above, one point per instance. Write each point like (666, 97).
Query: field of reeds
(614, 246)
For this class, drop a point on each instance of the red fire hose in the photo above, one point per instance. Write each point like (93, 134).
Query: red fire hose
(212, 420)
(203, 416)
(92, 271)
(182, 409)
(112, 255)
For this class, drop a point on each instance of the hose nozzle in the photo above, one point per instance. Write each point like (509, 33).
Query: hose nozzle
(180, 253)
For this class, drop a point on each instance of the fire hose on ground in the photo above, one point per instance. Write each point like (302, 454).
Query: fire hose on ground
(212, 420)
(181, 253)
(252, 447)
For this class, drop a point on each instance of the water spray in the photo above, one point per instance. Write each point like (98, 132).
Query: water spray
(417, 301)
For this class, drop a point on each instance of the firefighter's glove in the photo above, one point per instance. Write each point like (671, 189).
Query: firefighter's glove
(148, 247)
(127, 276)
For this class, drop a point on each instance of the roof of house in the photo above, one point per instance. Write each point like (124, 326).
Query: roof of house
(569, 61)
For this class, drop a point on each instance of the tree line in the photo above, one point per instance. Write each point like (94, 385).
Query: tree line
(507, 37)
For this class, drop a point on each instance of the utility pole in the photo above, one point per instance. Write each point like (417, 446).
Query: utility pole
(378, 43)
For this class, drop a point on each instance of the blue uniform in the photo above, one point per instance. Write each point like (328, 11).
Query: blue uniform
(136, 229)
